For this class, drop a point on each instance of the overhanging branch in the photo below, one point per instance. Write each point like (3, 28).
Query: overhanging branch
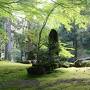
(45, 22)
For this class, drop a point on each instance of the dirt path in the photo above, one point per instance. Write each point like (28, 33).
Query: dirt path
(19, 84)
(36, 84)
(69, 81)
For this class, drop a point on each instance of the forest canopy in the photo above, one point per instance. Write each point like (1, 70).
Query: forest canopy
(32, 20)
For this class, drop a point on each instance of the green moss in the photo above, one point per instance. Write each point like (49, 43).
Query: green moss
(60, 79)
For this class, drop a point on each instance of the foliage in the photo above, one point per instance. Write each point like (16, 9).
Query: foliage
(82, 63)
(64, 53)
(43, 55)
(52, 14)
(16, 54)
(20, 41)
(3, 36)
(65, 13)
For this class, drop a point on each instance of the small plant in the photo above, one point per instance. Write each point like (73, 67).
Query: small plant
(78, 63)
(42, 68)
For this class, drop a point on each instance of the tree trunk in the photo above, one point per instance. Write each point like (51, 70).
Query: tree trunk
(75, 47)
(6, 52)
(21, 54)
(75, 41)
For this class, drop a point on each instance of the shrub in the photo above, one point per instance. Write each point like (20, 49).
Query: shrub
(41, 68)
(63, 58)
(82, 63)
(71, 65)
(36, 70)
(66, 65)
(30, 55)
(43, 55)
(26, 62)
(78, 63)
(86, 63)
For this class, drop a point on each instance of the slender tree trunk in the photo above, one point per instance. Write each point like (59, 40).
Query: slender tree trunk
(75, 41)
(6, 52)
(75, 47)
(21, 54)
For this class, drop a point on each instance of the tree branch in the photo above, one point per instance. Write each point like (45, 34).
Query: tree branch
(61, 4)
(44, 23)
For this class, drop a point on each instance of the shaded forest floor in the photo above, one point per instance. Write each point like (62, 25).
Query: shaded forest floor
(14, 77)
